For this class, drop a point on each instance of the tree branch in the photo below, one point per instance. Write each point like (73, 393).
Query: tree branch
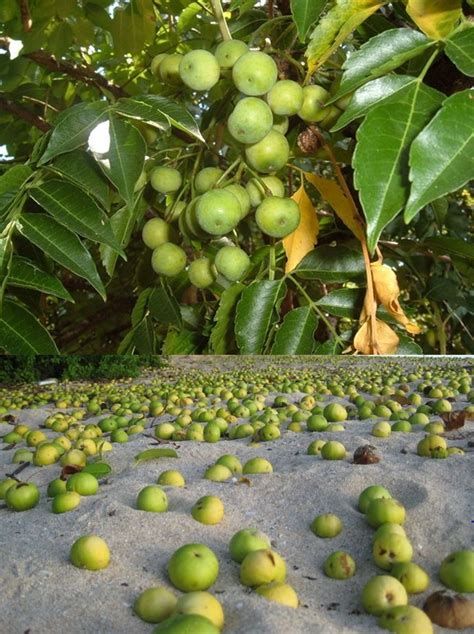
(219, 15)
(25, 15)
(8, 106)
(81, 73)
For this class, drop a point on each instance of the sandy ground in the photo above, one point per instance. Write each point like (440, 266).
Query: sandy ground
(42, 593)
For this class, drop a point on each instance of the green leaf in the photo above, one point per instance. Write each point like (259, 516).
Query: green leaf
(441, 156)
(22, 333)
(160, 112)
(164, 307)
(144, 337)
(296, 334)
(98, 469)
(407, 346)
(61, 245)
(11, 182)
(380, 159)
(123, 223)
(255, 314)
(370, 95)
(188, 15)
(126, 156)
(460, 50)
(379, 55)
(343, 302)
(331, 264)
(180, 342)
(154, 454)
(329, 347)
(131, 31)
(224, 319)
(6, 255)
(77, 211)
(305, 13)
(27, 274)
(440, 209)
(72, 128)
(451, 246)
(80, 168)
(140, 309)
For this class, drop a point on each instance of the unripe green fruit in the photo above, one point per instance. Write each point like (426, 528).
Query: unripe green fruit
(333, 450)
(285, 97)
(168, 259)
(257, 465)
(326, 525)
(155, 232)
(199, 70)
(456, 571)
(22, 496)
(229, 51)
(5, 485)
(218, 212)
(193, 567)
(254, 73)
(412, 576)
(154, 605)
(257, 192)
(208, 510)
(204, 604)
(277, 217)
(83, 483)
(270, 154)
(405, 619)
(242, 196)
(250, 120)
(207, 178)
(23, 455)
(232, 263)
(186, 624)
(165, 179)
(169, 69)
(171, 478)
(156, 63)
(56, 486)
(339, 565)
(281, 123)
(262, 566)
(152, 499)
(245, 541)
(66, 501)
(312, 109)
(201, 273)
(371, 493)
(90, 552)
(218, 473)
(280, 593)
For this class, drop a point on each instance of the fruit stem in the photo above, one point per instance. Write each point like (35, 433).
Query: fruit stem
(228, 170)
(221, 21)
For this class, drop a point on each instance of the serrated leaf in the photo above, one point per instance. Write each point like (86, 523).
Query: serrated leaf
(296, 334)
(380, 159)
(224, 318)
(164, 307)
(181, 342)
(460, 50)
(305, 13)
(332, 264)
(343, 302)
(305, 236)
(154, 454)
(62, 246)
(255, 314)
(72, 128)
(27, 274)
(22, 333)
(436, 18)
(77, 211)
(378, 56)
(126, 157)
(11, 182)
(436, 173)
(98, 469)
(82, 170)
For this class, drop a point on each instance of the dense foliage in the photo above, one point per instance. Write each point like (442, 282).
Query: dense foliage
(376, 159)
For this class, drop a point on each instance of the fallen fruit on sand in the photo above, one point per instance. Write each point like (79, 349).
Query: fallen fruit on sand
(65, 501)
(382, 510)
(90, 552)
(154, 605)
(204, 604)
(171, 478)
(280, 593)
(314, 448)
(405, 619)
(257, 465)
(451, 610)
(381, 593)
(371, 493)
(152, 499)
(186, 624)
(431, 443)
(83, 483)
(339, 565)
(412, 576)
(326, 525)
(22, 496)
(245, 541)
(218, 473)
(231, 462)
(262, 566)
(208, 510)
(5, 485)
(391, 549)
(333, 450)
(193, 567)
(388, 527)
(457, 571)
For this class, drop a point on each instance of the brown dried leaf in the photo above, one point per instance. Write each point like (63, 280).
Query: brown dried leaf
(400, 399)
(454, 420)
(8, 418)
(366, 454)
(68, 470)
(244, 481)
(305, 236)
(386, 293)
(386, 339)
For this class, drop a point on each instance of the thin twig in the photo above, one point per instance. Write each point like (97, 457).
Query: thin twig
(9, 106)
(221, 21)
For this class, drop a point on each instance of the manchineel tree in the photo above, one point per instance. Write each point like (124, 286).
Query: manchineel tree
(248, 177)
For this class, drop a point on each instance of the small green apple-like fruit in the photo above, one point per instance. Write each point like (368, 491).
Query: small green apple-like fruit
(381, 430)
(171, 478)
(246, 541)
(456, 571)
(381, 593)
(442, 407)
(269, 154)
(391, 549)
(186, 624)
(22, 455)
(242, 196)
(285, 97)
(268, 432)
(315, 447)
(156, 62)
(155, 232)
(165, 179)
(208, 510)
(207, 178)
(65, 501)
(90, 552)
(388, 528)
(164, 431)
(168, 259)
(232, 263)
(383, 510)
(193, 567)
(250, 121)
(218, 211)
(199, 70)
(152, 499)
(262, 566)
(212, 432)
(169, 69)
(229, 51)
(218, 473)
(56, 486)
(455, 451)
(405, 619)
(12, 438)
(83, 483)
(204, 604)
(45, 455)
(254, 73)
(35, 437)
(257, 192)
(277, 217)
(312, 108)
(412, 576)
(371, 493)
(22, 496)
(280, 593)
(201, 273)
(257, 465)
(339, 565)
(119, 435)
(402, 426)
(333, 450)
(231, 462)
(430, 444)
(5, 485)
(326, 525)
(316, 422)
(154, 605)
(335, 413)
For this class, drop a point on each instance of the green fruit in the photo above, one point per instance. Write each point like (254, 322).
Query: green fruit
(257, 192)
(381, 593)
(412, 576)
(456, 571)
(155, 232)
(218, 473)
(405, 619)
(242, 196)
(199, 70)
(314, 448)
(246, 541)
(335, 413)
(270, 154)
(22, 496)
(156, 63)
(388, 528)
(262, 566)
(250, 121)
(254, 73)
(169, 69)
(23, 455)
(285, 97)
(56, 486)
(208, 510)
(339, 565)
(66, 501)
(171, 478)
(369, 494)
(218, 212)
(326, 525)
(201, 273)
(168, 259)
(277, 217)
(232, 263)
(207, 178)
(257, 465)
(280, 124)
(154, 605)
(165, 179)
(152, 499)
(391, 549)
(431, 443)
(229, 51)
(90, 552)
(316, 422)
(333, 450)
(5, 485)
(381, 430)
(119, 435)
(382, 510)
(312, 109)
(193, 567)
(83, 483)
(204, 604)
(279, 593)
(186, 624)
(231, 462)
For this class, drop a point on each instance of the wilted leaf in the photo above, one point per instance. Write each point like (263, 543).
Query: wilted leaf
(366, 454)
(68, 470)
(436, 18)
(454, 420)
(153, 454)
(384, 337)
(303, 239)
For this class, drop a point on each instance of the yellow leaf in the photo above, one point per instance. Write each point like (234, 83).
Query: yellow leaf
(386, 293)
(436, 18)
(303, 239)
(385, 338)
(332, 193)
